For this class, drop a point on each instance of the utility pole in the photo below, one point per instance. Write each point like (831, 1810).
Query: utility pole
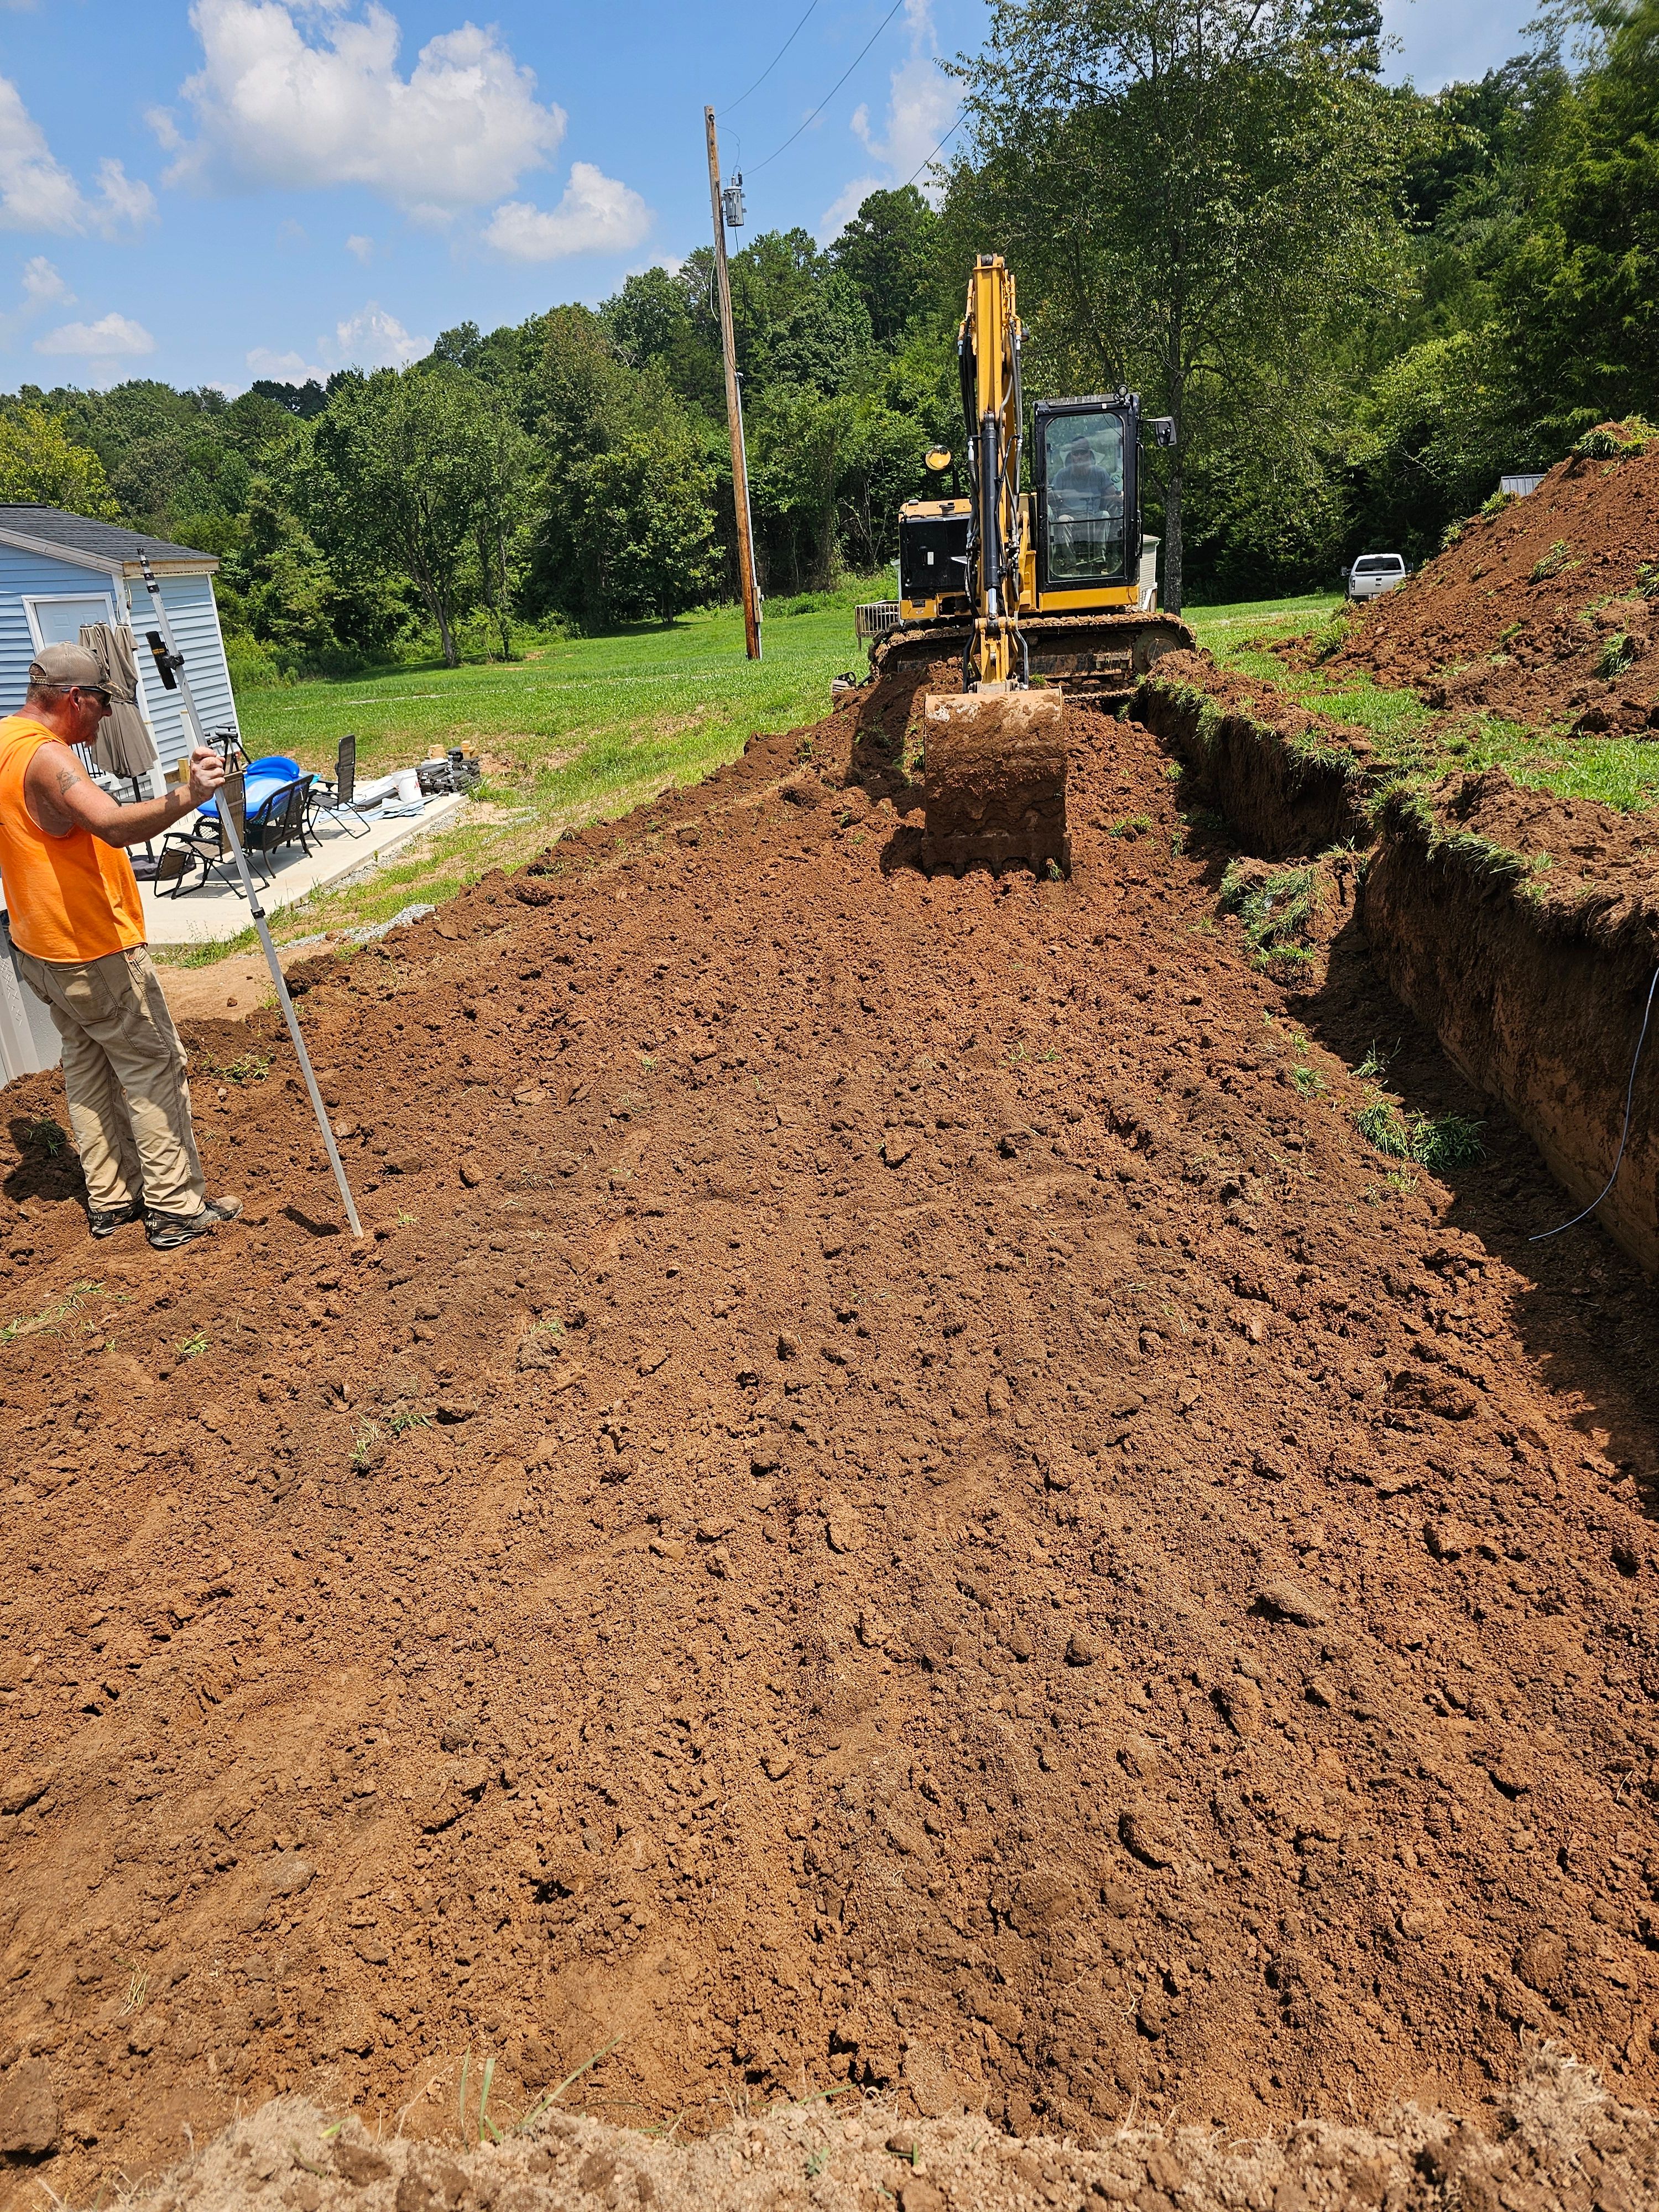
(746, 586)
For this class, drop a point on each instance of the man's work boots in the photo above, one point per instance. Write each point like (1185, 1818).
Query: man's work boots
(113, 1218)
(168, 1232)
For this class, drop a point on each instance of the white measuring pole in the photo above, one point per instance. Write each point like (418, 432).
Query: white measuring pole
(176, 669)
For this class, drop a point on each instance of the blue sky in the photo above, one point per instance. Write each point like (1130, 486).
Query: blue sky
(216, 190)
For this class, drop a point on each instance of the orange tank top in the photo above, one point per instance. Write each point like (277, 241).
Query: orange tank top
(70, 899)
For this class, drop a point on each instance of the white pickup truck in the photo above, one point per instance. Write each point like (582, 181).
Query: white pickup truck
(1375, 573)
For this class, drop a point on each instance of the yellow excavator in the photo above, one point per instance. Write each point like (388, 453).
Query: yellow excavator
(1040, 592)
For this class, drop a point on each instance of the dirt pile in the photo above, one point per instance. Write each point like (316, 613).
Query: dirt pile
(897, 1499)
(1537, 612)
(1557, 2133)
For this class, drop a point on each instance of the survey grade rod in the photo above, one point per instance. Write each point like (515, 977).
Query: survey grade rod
(171, 668)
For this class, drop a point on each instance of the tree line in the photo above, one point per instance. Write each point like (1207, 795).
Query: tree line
(1360, 304)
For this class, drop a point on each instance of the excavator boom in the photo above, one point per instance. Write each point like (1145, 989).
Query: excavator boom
(995, 758)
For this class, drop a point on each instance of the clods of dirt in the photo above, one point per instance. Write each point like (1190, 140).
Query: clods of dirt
(860, 1520)
(1556, 2131)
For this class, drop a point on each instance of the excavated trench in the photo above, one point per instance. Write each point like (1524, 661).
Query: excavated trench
(897, 1499)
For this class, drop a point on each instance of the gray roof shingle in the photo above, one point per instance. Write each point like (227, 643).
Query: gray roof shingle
(109, 541)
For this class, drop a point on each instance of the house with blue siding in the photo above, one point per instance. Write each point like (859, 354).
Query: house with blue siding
(58, 571)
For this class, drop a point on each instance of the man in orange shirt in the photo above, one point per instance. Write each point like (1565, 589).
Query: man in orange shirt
(77, 927)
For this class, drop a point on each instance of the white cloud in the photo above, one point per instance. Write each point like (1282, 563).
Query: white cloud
(362, 248)
(846, 205)
(284, 368)
(41, 287)
(371, 338)
(374, 339)
(37, 192)
(111, 337)
(596, 214)
(278, 103)
(165, 124)
(921, 104)
(122, 200)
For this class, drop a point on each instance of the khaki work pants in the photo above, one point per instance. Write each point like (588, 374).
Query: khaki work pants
(123, 1069)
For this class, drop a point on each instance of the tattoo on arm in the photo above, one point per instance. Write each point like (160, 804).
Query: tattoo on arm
(67, 779)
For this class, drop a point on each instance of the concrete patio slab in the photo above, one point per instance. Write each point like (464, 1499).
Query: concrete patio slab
(216, 913)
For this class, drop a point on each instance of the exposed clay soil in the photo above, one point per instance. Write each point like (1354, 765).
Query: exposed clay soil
(894, 1498)
(1558, 2137)
(227, 990)
(1588, 844)
(1518, 615)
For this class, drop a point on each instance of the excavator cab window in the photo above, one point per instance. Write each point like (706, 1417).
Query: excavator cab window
(1081, 459)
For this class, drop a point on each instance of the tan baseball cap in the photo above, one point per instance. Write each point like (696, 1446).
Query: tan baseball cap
(60, 666)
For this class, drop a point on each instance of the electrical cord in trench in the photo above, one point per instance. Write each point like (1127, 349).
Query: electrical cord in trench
(1544, 1235)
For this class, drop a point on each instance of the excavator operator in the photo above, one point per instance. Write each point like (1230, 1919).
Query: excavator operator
(1085, 508)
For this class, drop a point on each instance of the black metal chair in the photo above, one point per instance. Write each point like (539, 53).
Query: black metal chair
(206, 844)
(281, 820)
(336, 795)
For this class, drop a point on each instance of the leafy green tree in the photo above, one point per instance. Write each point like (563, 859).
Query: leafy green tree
(890, 250)
(277, 587)
(395, 478)
(1189, 192)
(643, 522)
(38, 462)
(1583, 280)
(626, 520)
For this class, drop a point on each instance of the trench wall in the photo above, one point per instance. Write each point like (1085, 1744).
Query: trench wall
(1535, 990)
(1289, 786)
(1540, 1006)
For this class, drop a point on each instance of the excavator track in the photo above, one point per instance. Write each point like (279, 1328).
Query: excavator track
(1095, 656)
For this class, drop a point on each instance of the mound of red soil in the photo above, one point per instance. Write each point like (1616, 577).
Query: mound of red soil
(1535, 613)
(894, 1498)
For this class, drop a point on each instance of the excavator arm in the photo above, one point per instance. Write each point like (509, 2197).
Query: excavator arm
(994, 766)
(987, 351)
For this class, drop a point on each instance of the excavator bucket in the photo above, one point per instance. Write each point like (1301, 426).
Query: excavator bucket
(994, 779)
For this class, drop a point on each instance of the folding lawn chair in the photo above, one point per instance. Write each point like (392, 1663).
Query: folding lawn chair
(336, 795)
(279, 819)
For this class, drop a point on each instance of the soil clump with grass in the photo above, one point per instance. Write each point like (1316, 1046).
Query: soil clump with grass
(898, 1501)
(1541, 609)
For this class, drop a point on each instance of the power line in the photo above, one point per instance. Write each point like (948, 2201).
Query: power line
(834, 89)
(937, 149)
(770, 66)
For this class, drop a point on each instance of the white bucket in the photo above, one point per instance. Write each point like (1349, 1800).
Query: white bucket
(409, 787)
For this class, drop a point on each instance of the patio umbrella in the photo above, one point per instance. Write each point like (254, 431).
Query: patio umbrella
(124, 745)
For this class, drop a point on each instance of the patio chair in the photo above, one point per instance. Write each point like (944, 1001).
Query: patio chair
(205, 844)
(279, 819)
(336, 795)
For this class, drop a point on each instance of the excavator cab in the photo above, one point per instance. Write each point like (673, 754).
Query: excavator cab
(1084, 478)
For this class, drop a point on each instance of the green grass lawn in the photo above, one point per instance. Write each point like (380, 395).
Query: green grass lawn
(577, 729)
(1414, 740)
(589, 727)
(1227, 630)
